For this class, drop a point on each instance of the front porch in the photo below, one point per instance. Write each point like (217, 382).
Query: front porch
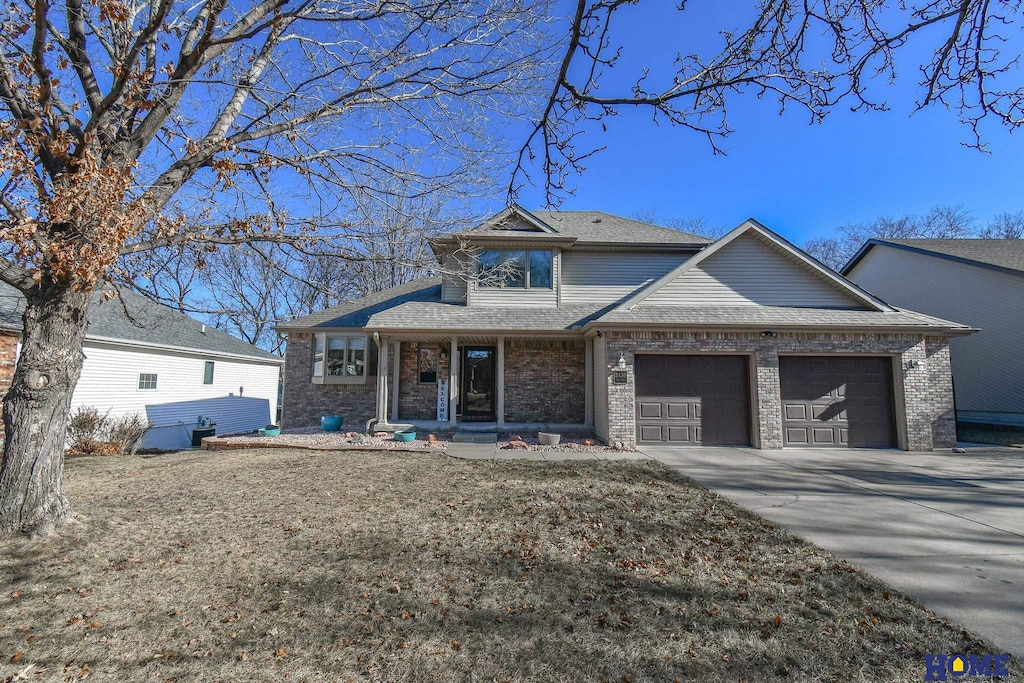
(483, 383)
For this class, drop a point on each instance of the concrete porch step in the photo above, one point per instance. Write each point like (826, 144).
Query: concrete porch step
(475, 437)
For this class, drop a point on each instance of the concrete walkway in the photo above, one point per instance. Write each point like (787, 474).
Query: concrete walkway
(476, 451)
(946, 529)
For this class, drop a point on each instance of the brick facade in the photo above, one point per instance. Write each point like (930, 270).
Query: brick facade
(545, 381)
(418, 401)
(920, 366)
(304, 403)
(8, 359)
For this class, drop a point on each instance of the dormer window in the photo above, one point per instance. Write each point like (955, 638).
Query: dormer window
(515, 268)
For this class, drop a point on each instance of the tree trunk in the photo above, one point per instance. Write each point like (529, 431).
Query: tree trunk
(36, 411)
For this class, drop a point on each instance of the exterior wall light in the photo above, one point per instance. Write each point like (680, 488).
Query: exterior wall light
(622, 362)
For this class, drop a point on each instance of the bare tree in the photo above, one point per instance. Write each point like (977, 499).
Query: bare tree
(806, 54)
(941, 222)
(695, 226)
(137, 125)
(246, 289)
(1005, 226)
(133, 125)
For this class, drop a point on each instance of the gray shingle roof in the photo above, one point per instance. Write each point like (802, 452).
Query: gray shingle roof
(773, 316)
(356, 313)
(597, 226)
(1004, 253)
(134, 318)
(417, 305)
(436, 315)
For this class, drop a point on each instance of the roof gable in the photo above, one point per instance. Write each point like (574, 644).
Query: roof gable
(577, 228)
(754, 266)
(133, 319)
(514, 219)
(1006, 255)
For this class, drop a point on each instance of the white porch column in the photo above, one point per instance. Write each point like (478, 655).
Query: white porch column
(397, 356)
(453, 381)
(588, 382)
(382, 379)
(500, 389)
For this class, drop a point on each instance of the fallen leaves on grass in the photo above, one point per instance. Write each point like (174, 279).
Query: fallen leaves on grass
(380, 567)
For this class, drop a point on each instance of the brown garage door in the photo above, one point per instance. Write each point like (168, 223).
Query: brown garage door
(836, 401)
(692, 400)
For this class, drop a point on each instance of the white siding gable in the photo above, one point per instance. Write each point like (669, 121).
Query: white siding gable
(606, 277)
(750, 272)
(110, 382)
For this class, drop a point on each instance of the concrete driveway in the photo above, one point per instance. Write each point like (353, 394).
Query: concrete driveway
(946, 529)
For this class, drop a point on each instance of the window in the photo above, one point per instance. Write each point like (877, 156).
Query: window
(341, 359)
(515, 269)
(428, 364)
(540, 269)
(208, 372)
(318, 356)
(147, 380)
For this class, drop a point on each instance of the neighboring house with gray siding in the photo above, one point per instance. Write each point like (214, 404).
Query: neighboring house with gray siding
(147, 359)
(977, 282)
(580, 321)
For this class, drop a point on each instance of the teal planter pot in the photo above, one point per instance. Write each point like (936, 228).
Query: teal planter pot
(270, 430)
(331, 423)
(405, 436)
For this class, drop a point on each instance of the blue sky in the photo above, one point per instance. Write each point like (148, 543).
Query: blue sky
(802, 180)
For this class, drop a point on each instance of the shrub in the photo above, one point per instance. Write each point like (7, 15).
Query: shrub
(127, 431)
(91, 432)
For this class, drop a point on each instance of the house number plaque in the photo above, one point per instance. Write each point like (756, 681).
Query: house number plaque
(620, 377)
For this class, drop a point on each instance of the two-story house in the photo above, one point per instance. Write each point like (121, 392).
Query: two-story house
(583, 321)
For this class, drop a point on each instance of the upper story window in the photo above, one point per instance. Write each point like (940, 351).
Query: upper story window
(343, 359)
(208, 372)
(515, 268)
(147, 380)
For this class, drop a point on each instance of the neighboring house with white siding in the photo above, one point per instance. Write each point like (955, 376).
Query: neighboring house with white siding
(977, 282)
(174, 371)
(580, 321)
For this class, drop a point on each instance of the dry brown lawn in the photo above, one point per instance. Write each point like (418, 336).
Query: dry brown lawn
(320, 566)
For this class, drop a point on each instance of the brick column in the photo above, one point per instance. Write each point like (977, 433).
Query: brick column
(621, 406)
(768, 396)
(940, 386)
(914, 370)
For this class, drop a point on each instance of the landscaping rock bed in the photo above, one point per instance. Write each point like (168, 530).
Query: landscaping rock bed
(313, 438)
(569, 442)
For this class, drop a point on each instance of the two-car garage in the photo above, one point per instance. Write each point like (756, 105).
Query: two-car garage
(706, 400)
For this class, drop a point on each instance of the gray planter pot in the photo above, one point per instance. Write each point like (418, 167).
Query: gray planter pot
(546, 439)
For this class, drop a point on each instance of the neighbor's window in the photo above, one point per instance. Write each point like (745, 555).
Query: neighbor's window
(147, 380)
(208, 372)
(343, 359)
(515, 269)
(428, 364)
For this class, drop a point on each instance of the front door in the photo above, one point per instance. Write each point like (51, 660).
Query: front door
(478, 383)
